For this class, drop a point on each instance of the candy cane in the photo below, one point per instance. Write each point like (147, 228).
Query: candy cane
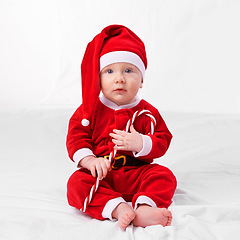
(112, 155)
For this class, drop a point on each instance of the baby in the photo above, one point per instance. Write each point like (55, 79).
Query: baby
(114, 63)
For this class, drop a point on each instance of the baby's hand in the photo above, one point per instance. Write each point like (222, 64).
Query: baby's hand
(98, 167)
(127, 141)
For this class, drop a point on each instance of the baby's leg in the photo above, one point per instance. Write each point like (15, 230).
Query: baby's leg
(158, 184)
(124, 213)
(78, 188)
(147, 216)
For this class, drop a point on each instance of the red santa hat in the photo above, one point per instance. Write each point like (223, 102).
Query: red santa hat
(115, 43)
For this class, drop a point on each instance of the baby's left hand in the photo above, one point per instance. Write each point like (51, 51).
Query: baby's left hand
(127, 141)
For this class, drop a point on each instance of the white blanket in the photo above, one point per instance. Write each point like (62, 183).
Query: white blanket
(204, 155)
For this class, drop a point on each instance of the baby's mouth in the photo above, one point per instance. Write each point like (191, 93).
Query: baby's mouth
(119, 90)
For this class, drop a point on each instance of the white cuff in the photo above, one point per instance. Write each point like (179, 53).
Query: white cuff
(110, 206)
(80, 154)
(144, 200)
(147, 147)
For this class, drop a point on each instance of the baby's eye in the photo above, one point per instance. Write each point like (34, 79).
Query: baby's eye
(109, 71)
(128, 71)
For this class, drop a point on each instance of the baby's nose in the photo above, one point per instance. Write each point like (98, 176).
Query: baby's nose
(120, 78)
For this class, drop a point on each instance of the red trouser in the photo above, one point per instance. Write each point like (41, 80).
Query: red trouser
(129, 182)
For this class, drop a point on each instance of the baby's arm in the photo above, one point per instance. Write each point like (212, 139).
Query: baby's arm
(98, 167)
(144, 146)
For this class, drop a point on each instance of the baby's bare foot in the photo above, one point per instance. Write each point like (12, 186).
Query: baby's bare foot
(124, 213)
(147, 216)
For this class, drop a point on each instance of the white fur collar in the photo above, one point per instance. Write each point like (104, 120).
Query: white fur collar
(114, 106)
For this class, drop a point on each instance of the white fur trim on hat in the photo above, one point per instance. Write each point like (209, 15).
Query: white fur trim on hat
(122, 56)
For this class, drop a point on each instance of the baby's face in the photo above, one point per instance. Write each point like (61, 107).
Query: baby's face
(120, 82)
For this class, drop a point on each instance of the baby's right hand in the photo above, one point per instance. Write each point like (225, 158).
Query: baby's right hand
(98, 167)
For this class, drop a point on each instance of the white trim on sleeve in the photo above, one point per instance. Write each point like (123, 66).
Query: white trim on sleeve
(147, 147)
(80, 154)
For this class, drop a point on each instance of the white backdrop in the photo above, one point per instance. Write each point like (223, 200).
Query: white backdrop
(194, 57)
(192, 46)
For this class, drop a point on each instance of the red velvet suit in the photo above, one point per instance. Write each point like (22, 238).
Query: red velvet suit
(151, 180)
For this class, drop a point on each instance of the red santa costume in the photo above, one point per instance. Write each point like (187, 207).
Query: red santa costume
(133, 177)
